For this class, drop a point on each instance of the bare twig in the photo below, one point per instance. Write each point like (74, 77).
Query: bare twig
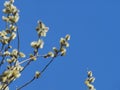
(47, 65)
(26, 83)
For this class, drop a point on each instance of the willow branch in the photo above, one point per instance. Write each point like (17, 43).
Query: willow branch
(18, 38)
(26, 65)
(26, 83)
(35, 54)
(30, 59)
(4, 88)
(3, 57)
(47, 65)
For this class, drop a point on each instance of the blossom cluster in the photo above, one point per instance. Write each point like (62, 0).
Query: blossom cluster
(13, 69)
(41, 29)
(11, 18)
(62, 50)
(37, 44)
(7, 53)
(10, 57)
(11, 11)
(64, 44)
(11, 74)
(90, 80)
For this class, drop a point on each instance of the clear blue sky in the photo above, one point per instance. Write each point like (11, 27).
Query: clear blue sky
(94, 26)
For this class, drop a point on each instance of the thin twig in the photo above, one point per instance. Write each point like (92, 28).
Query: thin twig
(18, 37)
(30, 59)
(47, 65)
(2, 61)
(3, 57)
(40, 73)
(35, 54)
(18, 43)
(26, 65)
(26, 83)
(2, 47)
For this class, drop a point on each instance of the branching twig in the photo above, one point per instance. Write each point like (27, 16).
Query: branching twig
(46, 66)
(30, 59)
(13, 67)
(34, 76)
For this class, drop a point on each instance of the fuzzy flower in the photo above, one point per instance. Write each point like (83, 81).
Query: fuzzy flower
(41, 29)
(13, 19)
(16, 74)
(9, 7)
(37, 74)
(34, 44)
(6, 19)
(40, 43)
(13, 36)
(11, 11)
(6, 53)
(11, 74)
(64, 42)
(55, 49)
(9, 61)
(63, 51)
(1, 86)
(3, 33)
(50, 54)
(21, 54)
(13, 28)
(14, 53)
(32, 57)
(37, 44)
(5, 40)
(67, 37)
(7, 4)
(18, 67)
(89, 73)
(89, 81)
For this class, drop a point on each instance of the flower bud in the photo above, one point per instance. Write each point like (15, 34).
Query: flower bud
(34, 44)
(4, 79)
(6, 53)
(21, 54)
(37, 74)
(67, 37)
(12, 1)
(89, 73)
(5, 19)
(50, 54)
(13, 36)
(9, 61)
(91, 80)
(33, 57)
(63, 51)
(55, 49)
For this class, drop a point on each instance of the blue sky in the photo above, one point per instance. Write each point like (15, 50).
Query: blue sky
(94, 26)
